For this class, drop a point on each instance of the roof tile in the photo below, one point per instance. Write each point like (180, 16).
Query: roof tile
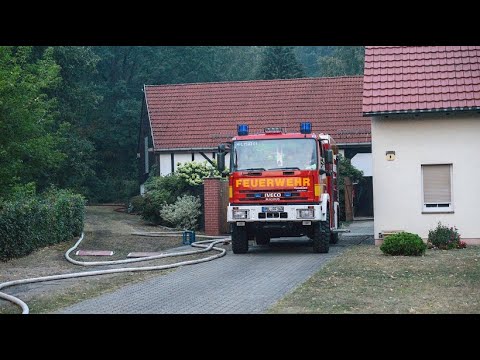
(206, 114)
(425, 77)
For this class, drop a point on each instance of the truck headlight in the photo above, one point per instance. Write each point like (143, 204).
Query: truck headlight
(239, 214)
(305, 213)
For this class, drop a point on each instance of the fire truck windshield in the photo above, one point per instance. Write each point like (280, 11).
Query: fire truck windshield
(274, 154)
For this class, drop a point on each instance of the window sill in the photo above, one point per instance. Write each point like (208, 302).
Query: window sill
(438, 212)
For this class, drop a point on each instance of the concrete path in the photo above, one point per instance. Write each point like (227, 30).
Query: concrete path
(234, 284)
(361, 232)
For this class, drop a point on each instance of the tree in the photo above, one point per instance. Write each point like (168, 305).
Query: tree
(346, 169)
(77, 171)
(27, 113)
(237, 63)
(279, 62)
(345, 60)
(308, 56)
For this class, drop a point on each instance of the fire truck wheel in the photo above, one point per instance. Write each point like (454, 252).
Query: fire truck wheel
(321, 236)
(239, 239)
(262, 239)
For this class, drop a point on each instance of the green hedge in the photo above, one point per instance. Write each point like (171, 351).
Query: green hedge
(32, 222)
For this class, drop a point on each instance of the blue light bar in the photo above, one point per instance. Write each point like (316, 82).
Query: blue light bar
(258, 195)
(306, 127)
(287, 194)
(242, 130)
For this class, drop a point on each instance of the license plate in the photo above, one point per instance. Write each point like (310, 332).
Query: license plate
(272, 208)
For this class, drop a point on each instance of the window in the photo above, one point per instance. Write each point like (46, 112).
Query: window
(437, 188)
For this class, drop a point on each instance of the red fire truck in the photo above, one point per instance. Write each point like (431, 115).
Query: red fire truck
(282, 184)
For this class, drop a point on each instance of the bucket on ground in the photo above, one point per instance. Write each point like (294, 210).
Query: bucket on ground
(188, 237)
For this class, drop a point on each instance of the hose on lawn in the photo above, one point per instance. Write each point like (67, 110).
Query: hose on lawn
(205, 245)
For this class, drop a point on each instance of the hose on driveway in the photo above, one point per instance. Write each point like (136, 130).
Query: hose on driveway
(204, 245)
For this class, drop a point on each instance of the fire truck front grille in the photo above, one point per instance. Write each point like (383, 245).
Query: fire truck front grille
(272, 215)
(265, 195)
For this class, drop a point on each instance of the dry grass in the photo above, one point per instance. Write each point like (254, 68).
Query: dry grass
(105, 229)
(364, 281)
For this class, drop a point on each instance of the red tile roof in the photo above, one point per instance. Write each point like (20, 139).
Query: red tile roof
(423, 78)
(206, 114)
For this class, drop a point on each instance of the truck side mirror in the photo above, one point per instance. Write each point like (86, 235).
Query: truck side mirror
(221, 158)
(221, 162)
(329, 157)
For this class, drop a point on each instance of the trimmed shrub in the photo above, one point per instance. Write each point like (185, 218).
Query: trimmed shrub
(31, 222)
(184, 213)
(444, 237)
(403, 243)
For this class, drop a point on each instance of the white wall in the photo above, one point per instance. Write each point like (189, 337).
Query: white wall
(165, 160)
(200, 159)
(165, 164)
(182, 158)
(397, 185)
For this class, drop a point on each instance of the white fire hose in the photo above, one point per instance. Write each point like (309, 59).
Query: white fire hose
(205, 245)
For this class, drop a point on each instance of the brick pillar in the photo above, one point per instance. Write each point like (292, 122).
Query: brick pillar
(214, 189)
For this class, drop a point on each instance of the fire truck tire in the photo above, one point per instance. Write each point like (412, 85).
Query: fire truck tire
(262, 239)
(321, 236)
(239, 239)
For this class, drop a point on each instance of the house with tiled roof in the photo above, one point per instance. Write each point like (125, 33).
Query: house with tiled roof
(187, 122)
(424, 103)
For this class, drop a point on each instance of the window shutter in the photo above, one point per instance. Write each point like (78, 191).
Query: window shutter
(436, 184)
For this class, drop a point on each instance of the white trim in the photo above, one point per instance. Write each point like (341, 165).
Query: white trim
(443, 209)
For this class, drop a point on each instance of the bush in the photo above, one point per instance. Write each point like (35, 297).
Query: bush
(136, 204)
(403, 243)
(193, 173)
(444, 237)
(31, 222)
(161, 190)
(346, 169)
(184, 213)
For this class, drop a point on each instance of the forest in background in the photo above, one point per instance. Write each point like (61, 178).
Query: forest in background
(69, 115)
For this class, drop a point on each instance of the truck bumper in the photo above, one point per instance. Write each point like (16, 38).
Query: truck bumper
(290, 213)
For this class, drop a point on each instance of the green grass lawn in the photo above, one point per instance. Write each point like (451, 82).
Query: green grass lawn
(364, 281)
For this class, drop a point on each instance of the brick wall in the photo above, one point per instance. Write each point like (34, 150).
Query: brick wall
(216, 202)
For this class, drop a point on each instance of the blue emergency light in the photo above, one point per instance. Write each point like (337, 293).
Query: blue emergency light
(242, 130)
(306, 127)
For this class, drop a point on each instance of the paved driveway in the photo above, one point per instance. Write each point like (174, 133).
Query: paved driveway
(233, 284)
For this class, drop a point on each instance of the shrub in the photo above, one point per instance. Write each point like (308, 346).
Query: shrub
(403, 243)
(346, 169)
(161, 190)
(136, 204)
(193, 173)
(444, 237)
(30, 222)
(184, 213)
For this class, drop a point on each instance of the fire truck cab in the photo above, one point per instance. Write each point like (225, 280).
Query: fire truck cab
(282, 185)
